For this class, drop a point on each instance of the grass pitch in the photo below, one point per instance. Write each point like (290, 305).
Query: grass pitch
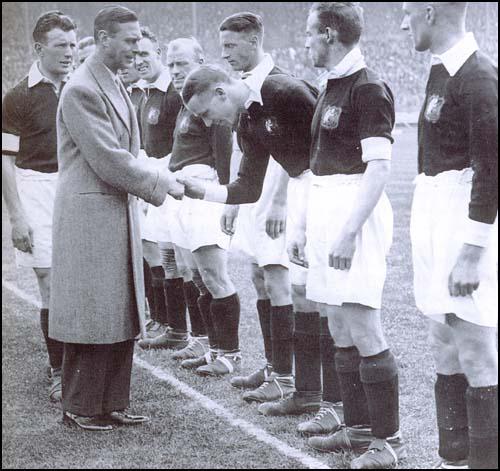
(182, 434)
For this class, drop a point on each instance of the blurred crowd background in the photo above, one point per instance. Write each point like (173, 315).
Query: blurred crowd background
(387, 49)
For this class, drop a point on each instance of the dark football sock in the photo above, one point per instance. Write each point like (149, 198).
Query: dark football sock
(226, 319)
(148, 287)
(331, 384)
(191, 294)
(204, 303)
(353, 394)
(307, 353)
(54, 347)
(176, 304)
(379, 374)
(264, 311)
(159, 304)
(482, 411)
(282, 320)
(451, 413)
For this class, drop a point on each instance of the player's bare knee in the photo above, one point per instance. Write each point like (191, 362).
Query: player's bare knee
(43, 277)
(217, 282)
(479, 364)
(300, 302)
(257, 276)
(277, 285)
(369, 343)
(340, 331)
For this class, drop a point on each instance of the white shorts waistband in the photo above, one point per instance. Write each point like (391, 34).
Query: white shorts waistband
(448, 178)
(202, 171)
(27, 174)
(335, 180)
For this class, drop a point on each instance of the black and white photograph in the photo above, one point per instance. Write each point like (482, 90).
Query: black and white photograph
(250, 235)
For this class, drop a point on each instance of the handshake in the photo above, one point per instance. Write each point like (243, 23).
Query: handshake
(185, 186)
(178, 187)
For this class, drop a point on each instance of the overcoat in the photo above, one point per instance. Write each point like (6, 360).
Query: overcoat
(97, 285)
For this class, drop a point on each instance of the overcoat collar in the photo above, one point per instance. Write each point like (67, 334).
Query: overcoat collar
(110, 88)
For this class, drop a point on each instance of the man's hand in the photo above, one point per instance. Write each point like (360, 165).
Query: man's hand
(276, 221)
(296, 249)
(342, 251)
(176, 190)
(464, 278)
(22, 235)
(193, 187)
(228, 219)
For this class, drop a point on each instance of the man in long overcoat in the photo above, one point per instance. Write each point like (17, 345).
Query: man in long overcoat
(97, 306)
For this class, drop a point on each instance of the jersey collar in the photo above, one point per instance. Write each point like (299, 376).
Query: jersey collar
(162, 82)
(353, 62)
(35, 76)
(455, 57)
(254, 79)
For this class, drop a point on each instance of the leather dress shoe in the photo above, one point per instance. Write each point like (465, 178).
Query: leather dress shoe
(91, 424)
(122, 418)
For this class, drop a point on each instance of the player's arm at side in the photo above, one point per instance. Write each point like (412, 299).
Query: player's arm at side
(93, 133)
(11, 130)
(480, 107)
(376, 109)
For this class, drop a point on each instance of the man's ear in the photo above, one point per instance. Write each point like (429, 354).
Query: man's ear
(221, 93)
(254, 40)
(331, 35)
(38, 49)
(430, 14)
(103, 37)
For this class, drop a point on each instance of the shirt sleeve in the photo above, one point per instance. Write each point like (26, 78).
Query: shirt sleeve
(480, 107)
(222, 148)
(12, 123)
(174, 104)
(247, 188)
(374, 105)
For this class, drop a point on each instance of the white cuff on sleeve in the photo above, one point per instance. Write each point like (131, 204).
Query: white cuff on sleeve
(10, 143)
(478, 233)
(376, 148)
(216, 193)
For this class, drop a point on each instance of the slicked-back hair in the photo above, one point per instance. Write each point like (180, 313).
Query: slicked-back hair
(199, 54)
(51, 20)
(148, 34)
(344, 17)
(244, 22)
(109, 17)
(201, 80)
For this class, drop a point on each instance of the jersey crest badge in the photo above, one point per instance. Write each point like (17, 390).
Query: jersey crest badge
(271, 125)
(433, 109)
(153, 116)
(331, 117)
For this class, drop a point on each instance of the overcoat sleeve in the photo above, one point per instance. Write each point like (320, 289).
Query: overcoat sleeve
(86, 118)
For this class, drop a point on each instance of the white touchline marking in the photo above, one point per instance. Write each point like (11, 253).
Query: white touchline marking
(204, 401)
(234, 421)
(21, 294)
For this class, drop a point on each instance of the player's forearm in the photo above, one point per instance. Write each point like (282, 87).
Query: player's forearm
(373, 184)
(9, 188)
(242, 191)
(280, 193)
